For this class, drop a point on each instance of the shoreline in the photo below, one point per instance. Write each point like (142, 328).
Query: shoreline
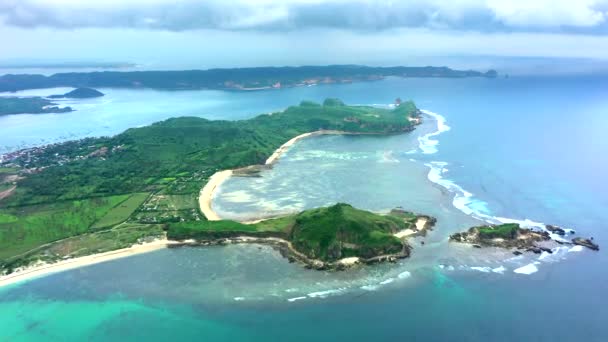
(206, 195)
(44, 269)
(283, 246)
(208, 191)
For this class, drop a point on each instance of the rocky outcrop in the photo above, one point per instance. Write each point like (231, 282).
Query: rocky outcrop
(555, 229)
(586, 243)
(504, 236)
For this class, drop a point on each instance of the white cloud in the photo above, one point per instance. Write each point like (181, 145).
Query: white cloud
(179, 15)
(548, 13)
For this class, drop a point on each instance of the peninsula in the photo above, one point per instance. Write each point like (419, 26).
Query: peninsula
(96, 195)
(230, 79)
(10, 105)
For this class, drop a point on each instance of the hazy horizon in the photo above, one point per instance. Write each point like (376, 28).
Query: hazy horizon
(188, 34)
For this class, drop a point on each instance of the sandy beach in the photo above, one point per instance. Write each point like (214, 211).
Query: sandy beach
(420, 226)
(279, 151)
(206, 195)
(68, 264)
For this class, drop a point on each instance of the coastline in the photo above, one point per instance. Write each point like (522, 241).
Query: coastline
(284, 247)
(208, 191)
(206, 194)
(45, 269)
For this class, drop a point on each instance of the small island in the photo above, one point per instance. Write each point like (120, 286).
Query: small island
(29, 105)
(79, 93)
(513, 237)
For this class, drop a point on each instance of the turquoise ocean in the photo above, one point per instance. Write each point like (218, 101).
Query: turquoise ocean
(524, 148)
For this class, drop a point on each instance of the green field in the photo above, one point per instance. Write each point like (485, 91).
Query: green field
(121, 212)
(24, 228)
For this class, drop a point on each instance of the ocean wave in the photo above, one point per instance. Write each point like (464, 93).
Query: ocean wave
(388, 157)
(463, 200)
(327, 293)
(428, 145)
(481, 269)
(500, 269)
(528, 269)
(404, 275)
(387, 281)
(295, 299)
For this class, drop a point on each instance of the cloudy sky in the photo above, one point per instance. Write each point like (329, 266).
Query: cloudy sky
(226, 33)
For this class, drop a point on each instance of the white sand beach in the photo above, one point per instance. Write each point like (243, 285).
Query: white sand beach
(43, 269)
(206, 195)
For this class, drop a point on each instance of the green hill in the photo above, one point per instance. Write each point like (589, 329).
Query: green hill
(79, 93)
(341, 231)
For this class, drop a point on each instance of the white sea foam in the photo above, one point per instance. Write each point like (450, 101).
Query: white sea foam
(544, 255)
(428, 145)
(528, 269)
(238, 299)
(323, 294)
(576, 249)
(388, 157)
(370, 287)
(500, 269)
(481, 269)
(404, 275)
(295, 299)
(387, 281)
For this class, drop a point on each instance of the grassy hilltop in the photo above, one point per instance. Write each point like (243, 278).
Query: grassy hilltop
(99, 194)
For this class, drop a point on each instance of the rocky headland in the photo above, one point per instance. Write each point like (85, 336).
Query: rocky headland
(512, 236)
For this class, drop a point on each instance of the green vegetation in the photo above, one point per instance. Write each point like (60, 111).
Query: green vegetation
(26, 227)
(342, 231)
(29, 105)
(279, 227)
(503, 231)
(121, 212)
(122, 236)
(152, 175)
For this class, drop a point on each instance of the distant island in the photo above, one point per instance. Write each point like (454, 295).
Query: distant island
(229, 79)
(79, 93)
(29, 105)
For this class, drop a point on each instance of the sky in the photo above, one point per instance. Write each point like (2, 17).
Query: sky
(235, 33)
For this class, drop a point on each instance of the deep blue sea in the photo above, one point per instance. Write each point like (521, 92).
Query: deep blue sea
(532, 149)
